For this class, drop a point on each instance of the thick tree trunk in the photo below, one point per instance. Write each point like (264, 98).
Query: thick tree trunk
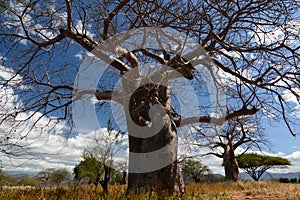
(165, 181)
(167, 178)
(152, 143)
(231, 165)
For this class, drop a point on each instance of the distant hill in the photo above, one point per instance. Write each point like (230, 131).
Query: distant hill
(272, 176)
(19, 173)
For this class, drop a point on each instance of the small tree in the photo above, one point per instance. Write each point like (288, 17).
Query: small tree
(44, 176)
(93, 170)
(29, 181)
(88, 169)
(52, 176)
(60, 175)
(194, 170)
(122, 167)
(256, 165)
(97, 164)
(117, 178)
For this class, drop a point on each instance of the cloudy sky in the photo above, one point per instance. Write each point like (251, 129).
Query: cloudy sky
(54, 151)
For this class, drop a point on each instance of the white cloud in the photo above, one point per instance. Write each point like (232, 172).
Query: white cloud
(48, 147)
(13, 128)
(45, 34)
(266, 35)
(52, 151)
(79, 27)
(233, 54)
(290, 97)
(214, 163)
(90, 57)
(8, 74)
(36, 30)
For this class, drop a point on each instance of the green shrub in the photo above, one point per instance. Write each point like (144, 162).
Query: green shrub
(284, 180)
(29, 182)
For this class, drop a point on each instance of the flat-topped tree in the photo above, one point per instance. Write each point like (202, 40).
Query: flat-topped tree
(256, 164)
(253, 45)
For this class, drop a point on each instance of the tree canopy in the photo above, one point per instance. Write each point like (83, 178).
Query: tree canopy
(53, 176)
(255, 48)
(89, 168)
(60, 175)
(194, 170)
(256, 164)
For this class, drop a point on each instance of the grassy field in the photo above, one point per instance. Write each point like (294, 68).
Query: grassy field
(264, 190)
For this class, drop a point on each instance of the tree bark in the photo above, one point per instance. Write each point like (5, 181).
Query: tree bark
(166, 178)
(106, 178)
(230, 165)
(124, 178)
(104, 185)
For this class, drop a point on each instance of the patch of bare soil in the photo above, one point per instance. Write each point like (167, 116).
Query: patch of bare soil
(264, 191)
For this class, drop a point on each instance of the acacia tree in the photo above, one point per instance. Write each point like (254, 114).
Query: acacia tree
(256, 165)
(253, 45)
(245, 133)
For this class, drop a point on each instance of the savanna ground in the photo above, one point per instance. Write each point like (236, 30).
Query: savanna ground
(264, 190)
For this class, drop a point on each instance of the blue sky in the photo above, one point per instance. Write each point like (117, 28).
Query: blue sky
(281, 139)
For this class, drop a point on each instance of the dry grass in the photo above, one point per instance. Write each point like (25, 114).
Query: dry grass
(245, 190)
(218, 191)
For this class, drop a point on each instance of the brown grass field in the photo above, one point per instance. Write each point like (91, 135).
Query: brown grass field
(263, 190)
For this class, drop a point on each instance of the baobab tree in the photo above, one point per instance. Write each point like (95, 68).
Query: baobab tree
(250, 50)
(245, 133)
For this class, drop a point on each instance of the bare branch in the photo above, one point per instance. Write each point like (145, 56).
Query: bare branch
(69, 11)
(110, 17)
(214, 154)
(216, 120)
